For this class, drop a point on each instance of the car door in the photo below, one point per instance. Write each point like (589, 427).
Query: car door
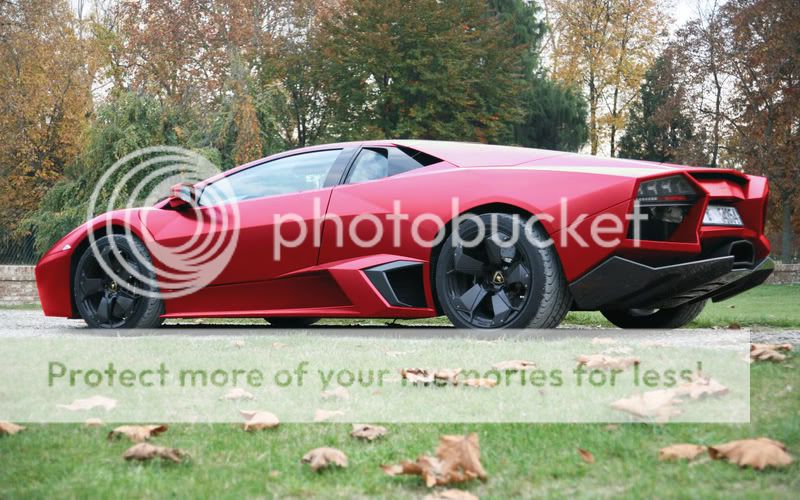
(245, 211)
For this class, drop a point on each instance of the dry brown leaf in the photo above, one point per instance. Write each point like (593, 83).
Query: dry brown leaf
(603, 341)
(278, 345)
(323, 415)
(514, 365)
(320, 458)
(769, 352)
(137, 433)
(700, 387)
(457, 460)
(680, 452)
(338, 393)
(236, 394)
(611, 427)
(451, 494)
(368, 432)
(756, 453)
(603, 362)
(425, 377)
(10, 428)
(657, 405)
(447, 375)
(586, 456)
(93, 422)
(147, 451)
(257, 420)
(485, 383)
(89, 403)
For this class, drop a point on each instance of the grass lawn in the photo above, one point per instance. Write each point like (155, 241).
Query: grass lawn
(521, 460)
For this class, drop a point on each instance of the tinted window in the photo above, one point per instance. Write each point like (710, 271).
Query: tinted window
(292, 174)
(377, 163)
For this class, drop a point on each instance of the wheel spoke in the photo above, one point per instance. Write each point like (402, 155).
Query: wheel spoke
(501, 307)
(518, 274)
(470, 300)
(463, 263)
(498, 251)
(90, 286)
(104, 310)
(122, 306)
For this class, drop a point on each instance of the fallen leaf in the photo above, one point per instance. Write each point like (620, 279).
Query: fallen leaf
(586, 455)
(93, 422)
(447, 375)
(756, 453)
(769, 352)
(236, 394)
(137, 433)
(10, 428)
(603, 341)
(147, 451)
(237, 343)
(701, 386)
(323, 415)
(257, 420)
(514, 365)
(657, 405)
(320, 458)
(485, 383)
(274, 473)
(425, 377)
(89, 403)
(603, 362)
(278, 345)
(338, 393)
(368, 432)
(451, 494)
(457, 460)
(734, 326)
(680, 452)
(611, 427)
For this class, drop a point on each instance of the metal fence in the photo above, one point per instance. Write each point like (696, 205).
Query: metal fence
(17, 250)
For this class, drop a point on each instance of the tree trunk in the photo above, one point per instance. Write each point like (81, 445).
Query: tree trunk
(593, 138)
(786, 240)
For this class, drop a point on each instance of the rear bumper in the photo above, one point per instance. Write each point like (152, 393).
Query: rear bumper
(619, 283)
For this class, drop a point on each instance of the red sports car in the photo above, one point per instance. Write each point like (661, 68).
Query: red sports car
(491, 236)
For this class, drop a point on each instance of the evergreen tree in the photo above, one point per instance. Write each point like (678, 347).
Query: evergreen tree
(658, 128)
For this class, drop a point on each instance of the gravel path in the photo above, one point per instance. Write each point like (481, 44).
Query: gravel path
(31, 323)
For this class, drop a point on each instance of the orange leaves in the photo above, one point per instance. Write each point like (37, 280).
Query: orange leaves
(137, 433)
(8, 428)
(368, 432)
(258, 420)
(756, 453)
(321, 458)
(147, 451)
(603, 362)
(769, 352)
(680, 452)
(457, 460)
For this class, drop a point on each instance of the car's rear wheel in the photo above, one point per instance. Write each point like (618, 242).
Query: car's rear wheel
(674, 317)
(111, 300)
(291, 322)
(503, 281)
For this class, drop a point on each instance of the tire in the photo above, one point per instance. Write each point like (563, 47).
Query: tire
(102, 302)
(529, 292)
(291, 322)
(674, 317)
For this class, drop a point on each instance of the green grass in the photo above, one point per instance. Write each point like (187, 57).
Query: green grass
(522, 460)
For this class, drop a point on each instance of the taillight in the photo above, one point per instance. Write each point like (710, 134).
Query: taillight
(664, 203)
(667, 190)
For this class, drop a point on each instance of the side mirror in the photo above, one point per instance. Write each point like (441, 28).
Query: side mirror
(182, 194)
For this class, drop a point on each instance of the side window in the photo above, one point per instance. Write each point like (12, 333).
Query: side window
(377, 163)
(293, 174)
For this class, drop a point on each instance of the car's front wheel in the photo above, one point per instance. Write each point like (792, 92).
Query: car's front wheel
(674, 317)
(510, 278)
(113, 299)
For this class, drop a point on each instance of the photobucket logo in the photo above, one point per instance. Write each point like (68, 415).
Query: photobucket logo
(164, 271)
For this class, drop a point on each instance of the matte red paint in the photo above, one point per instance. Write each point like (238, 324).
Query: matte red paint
(329, 281)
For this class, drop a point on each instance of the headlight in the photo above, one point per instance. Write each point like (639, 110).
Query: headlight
(666, 190)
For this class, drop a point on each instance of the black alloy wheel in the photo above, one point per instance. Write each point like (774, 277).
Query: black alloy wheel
(111, 301)
(503, 281)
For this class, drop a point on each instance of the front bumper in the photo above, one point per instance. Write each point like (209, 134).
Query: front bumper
(619, 283)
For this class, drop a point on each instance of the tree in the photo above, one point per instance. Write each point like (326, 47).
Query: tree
(762, 49)
(604, 47)
(555, 117)
(45, 102)
(659, 128)
(440, 69)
